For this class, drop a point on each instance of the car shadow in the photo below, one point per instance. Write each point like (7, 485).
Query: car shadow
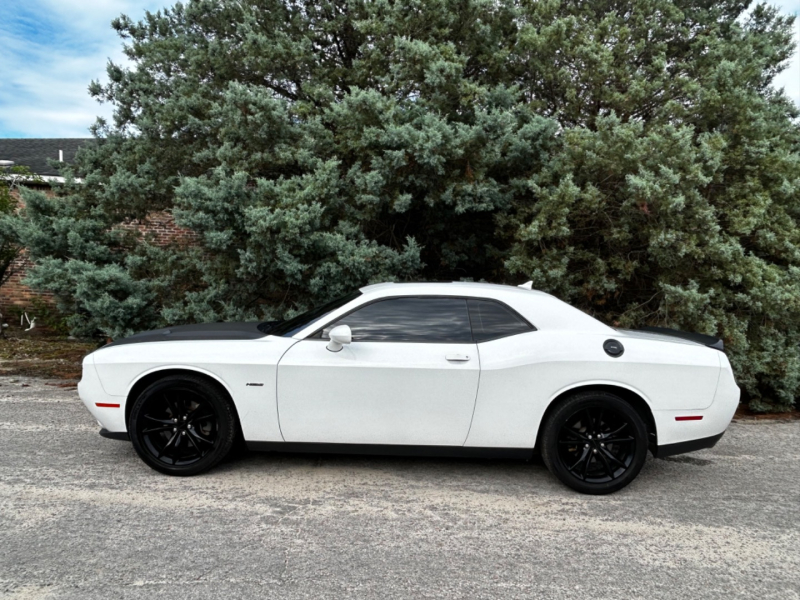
(457, 471)
(498, 475)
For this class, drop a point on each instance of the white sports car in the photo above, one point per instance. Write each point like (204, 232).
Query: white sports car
(440, 369)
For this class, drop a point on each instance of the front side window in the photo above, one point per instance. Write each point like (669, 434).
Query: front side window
(410, 319)
(492, 320)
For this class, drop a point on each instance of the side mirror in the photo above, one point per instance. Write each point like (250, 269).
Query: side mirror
(339, 335)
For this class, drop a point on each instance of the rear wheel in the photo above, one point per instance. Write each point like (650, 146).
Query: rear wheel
(182, 425)
(595, 442)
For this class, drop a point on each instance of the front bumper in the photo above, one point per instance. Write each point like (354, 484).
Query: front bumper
(122, 436)
(108, 410)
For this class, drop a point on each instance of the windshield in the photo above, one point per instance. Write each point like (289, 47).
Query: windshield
(303, 320)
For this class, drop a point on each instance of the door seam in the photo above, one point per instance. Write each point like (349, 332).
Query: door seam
(277, 400)
(477, 391)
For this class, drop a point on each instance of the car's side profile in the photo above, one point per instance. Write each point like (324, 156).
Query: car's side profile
(462, 369)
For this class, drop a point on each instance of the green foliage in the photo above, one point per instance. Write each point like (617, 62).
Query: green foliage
(630, 157)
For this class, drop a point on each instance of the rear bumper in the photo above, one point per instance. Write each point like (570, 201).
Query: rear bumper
(689, 430)
(684, 447)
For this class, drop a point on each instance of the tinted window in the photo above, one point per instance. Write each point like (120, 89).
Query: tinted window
(409, 320)
(492, 320)
(303, 320)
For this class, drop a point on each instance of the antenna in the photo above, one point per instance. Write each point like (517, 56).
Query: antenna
(528, 285)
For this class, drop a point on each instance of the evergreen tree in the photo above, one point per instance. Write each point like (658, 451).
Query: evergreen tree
(632, 158)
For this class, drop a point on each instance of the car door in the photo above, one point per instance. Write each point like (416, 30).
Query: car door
(409, 376)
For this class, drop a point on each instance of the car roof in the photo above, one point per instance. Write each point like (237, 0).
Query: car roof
(465, 288)
(539, 308)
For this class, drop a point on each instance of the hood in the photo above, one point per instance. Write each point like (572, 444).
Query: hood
(199, 332)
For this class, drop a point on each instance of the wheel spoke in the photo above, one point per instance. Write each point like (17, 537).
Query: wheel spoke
(196, 435)
(168, 444)
(162, 421)
(173, 407)
(608, 454)
(572, 431)
(616, 431)
(606, 466)
(580, 460)
(618, 440)
(190, 439)
(589, 421)
(202, 418)
(588, 461)
(180, 402)
(157, 429)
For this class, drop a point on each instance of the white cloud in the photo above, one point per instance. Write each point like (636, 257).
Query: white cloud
(51, 51)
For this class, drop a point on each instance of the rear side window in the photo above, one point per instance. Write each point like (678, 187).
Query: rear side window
(409, 320)
(492, 320)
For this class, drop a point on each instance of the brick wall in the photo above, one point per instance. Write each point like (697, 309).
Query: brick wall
(158, 227)
(15, 293)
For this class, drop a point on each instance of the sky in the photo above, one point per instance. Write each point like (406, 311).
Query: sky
(50, 50)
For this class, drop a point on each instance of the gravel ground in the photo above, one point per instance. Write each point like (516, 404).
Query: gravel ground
(83, 517)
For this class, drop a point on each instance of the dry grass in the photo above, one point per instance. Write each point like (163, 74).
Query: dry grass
(40, 354)
(743, 413)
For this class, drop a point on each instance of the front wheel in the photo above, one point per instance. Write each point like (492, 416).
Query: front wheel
(595, 442)
(182, 425)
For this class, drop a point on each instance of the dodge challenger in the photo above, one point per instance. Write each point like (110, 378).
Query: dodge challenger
(436, 369)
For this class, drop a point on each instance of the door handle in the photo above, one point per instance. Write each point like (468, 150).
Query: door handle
(457, 357)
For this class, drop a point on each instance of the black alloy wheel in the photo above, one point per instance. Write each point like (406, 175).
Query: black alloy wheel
(595, 442)
(182, 425)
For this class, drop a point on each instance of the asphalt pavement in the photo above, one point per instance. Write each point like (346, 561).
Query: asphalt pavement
(82, 517)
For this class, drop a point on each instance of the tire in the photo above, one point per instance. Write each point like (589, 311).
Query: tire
(182, 425)
(594, 442)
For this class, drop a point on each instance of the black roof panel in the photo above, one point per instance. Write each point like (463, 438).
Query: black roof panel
(35, 152)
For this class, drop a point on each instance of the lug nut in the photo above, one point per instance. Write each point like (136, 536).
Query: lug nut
(174, 429)
(602, 445)
(595, 451)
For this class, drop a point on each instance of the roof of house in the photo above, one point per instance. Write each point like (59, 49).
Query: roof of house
(35, 152)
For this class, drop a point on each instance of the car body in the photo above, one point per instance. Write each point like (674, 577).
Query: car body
(433, 368)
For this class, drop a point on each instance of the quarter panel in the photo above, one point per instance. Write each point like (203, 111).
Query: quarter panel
(521, 375)
(234, 363)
